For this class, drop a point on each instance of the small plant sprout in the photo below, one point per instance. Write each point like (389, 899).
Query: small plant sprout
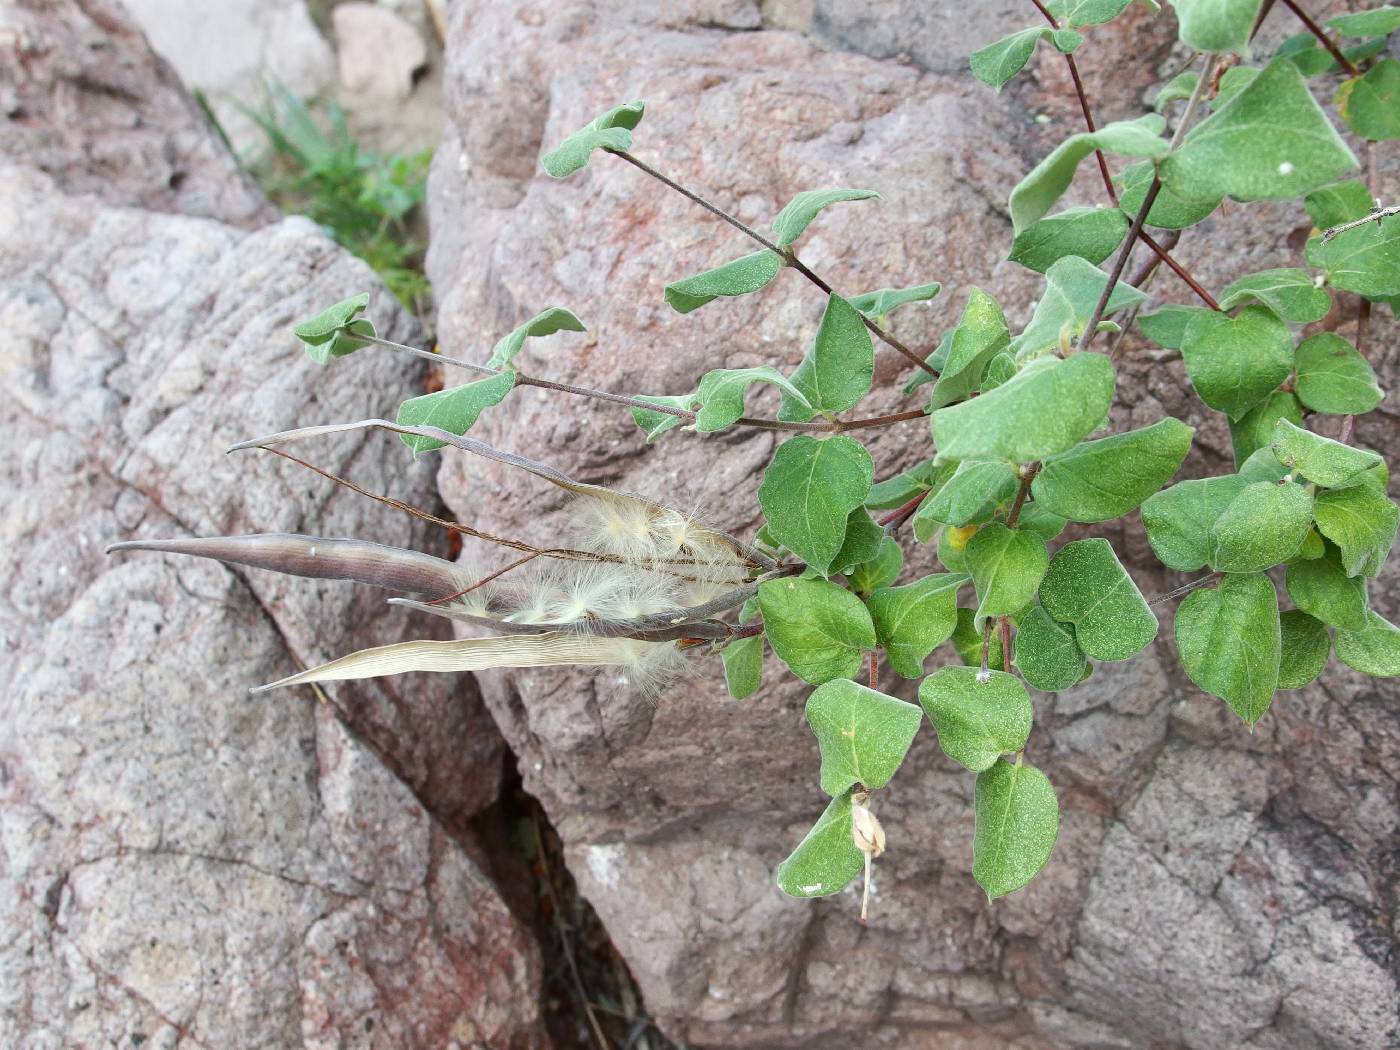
(1018, 442)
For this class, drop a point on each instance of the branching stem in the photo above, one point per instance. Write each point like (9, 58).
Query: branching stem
(1322, 38)
(788, 255)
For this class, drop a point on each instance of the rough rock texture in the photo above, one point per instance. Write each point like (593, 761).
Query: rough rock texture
(234, 47)
(179, 863)
(1212, 888)
(377, 51)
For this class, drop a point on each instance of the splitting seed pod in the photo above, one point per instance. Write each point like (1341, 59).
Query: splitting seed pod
(639, 583)
(869, 838)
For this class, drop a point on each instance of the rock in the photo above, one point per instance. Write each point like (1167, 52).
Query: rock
(378, 52)
(183, 863)
(234, 48)
(86, 101)
(1202, 870)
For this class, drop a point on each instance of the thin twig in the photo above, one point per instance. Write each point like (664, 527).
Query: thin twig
(1161, 251)
(1091, 329)
(897, 517)
(1322, 38)
(1005, 622)
(787, 254)
(1028, 474)
(1377, 214)
(820, 426)
(1185, 588)
(874, 670)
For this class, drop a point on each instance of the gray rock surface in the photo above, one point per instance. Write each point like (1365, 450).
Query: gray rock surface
(1211, 888)
(181, 864)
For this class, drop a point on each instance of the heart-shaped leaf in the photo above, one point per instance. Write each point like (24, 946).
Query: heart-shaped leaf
(837, 371)
(977, 720)
(1374, 651)
(1236, 362)
(863, 734)
(455, 410)
(1305, 647)
(1087, 586)
(1290, 293)
(1011, 422)
(1104, 479)
(817, 628)
(332, 332)
(612, 130)
(1263, 526)
(1333, 377)
(1320, 459)
(1018, 821)
(1047, 655)
(1007, 566)
(748, 273)
(546, 322)
(911, 621)
(1179, 519)
(810, 489)
(1321, 588)
(798, 213)
(1361, 522)
(1229, 640)
(827, 859)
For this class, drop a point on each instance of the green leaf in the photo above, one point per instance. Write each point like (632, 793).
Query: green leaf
(1290, 293)
(654, 424)
(743, 666)
(1167, 327)
(1365, 259)
(1215, 25)
(331, 333)
(1007, 566)
(547, 322)
(967, 640)
(1236, 362)
(862, 542)
(1374, 651)
(1229, 639)
(827, 859)
(1179, 519)
(1072, 290)
(1263, 526)
(1338, 203)
(1181, 86)
(899, 489)
(1038, 191)
(980, 334)
(998, 62)
(1333, 377)
(1104, 479)
(880, 571)
(1090, 233)
(911, 621)
(1087, 12)
(722, 391)
(1255, 429)
(1045, 524)
(977, 721)
(1000, 369)
(1012, 423)
(1047, 655)
(1271, 142)
(1018, 820)
(454, 410)
(971, 495)
(837, 371)
(1263, 465)
(817, 628)
(1376, 22)
(1370, 104)
(1303, 51)
(1087, 587)
(879, 303)
(808, 492)
(612, 130)
(1361, 522)
(1177, 206)
(1232, 82)
(1321, 588)
(802, 209)
(1320, 459)
(748, 273)
(863, 735)
(1305, 647)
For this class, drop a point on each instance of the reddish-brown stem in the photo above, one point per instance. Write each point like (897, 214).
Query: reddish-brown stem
(1091, 329)
(1363, 309)
(1322, 38)
(897, 517)
(789, 256)
(1005, 643)
(874, 670)
(486, 579)
(1158, 249)
(1028, 474)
